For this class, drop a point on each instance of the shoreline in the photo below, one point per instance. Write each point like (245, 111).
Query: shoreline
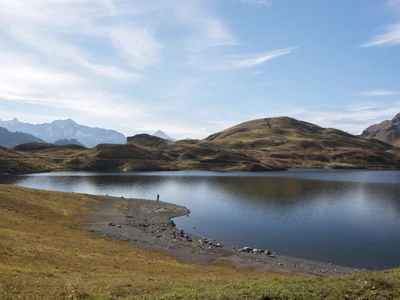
(147, 224)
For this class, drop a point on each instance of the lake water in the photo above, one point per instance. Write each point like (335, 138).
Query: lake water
(345, 217)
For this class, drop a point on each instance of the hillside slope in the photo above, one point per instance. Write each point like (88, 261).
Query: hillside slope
(387, 131)
(295, 143)
(11, 139)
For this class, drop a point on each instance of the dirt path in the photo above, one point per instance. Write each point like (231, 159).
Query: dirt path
(147, 224)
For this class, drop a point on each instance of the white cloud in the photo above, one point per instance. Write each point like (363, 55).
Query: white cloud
(379, 92)
(390, 36)
(137, 44)
(51, 27)
(24, 80)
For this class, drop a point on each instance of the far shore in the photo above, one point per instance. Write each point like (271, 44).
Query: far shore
(147, 224)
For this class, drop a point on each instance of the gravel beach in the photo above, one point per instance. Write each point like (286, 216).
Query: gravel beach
(147, 224)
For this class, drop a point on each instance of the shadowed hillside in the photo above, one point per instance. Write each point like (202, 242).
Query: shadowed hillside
(11, 139)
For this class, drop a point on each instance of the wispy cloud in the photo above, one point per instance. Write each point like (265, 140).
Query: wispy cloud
(51, 29)
(389, 36)
(353, 120)
(24, 80)
(210, 30)
(262, 58)
(379, 92)
(138, 44)
(237, 62)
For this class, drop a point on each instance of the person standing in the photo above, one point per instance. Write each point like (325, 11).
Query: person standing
(158, 197)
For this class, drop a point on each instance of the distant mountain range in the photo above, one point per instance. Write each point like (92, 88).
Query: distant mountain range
(387, 131)
(66, 129)
(163, 135)
(10, 139)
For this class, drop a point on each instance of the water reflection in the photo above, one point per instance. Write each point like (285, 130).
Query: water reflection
(344, 217)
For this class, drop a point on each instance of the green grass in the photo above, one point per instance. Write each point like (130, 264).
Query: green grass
(46, 254)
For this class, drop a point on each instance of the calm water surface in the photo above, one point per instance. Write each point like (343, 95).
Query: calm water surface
(346, 217)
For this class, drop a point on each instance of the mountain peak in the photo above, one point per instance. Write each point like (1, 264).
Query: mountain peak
(12, 121)
(163, 135)
(387, 131)
(67, 121)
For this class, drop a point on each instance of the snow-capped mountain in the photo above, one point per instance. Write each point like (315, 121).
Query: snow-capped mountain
(66, 129)
(163, 135)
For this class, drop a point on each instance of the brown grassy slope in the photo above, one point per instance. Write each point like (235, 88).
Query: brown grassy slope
(12, 161)
(45, 254)
(295, 143)
(50, 151)
(115, 157)
(147, 140)
(195, 154)
(387, 131)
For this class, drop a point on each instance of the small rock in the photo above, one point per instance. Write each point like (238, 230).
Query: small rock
(218, 245)
(245, 249)
(111, 224)
(151, 231)
(119, 226)
(158, 235)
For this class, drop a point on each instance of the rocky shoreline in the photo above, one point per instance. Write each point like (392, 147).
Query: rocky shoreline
(147, 224)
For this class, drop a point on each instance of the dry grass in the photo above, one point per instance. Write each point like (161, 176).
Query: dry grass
(45, 254)
(123, 206)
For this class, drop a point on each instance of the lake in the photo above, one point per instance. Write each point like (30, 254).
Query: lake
(345, 217)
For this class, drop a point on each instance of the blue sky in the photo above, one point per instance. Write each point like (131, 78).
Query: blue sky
(194, 67)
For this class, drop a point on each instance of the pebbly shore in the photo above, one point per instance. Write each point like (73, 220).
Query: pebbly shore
(147, 224)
